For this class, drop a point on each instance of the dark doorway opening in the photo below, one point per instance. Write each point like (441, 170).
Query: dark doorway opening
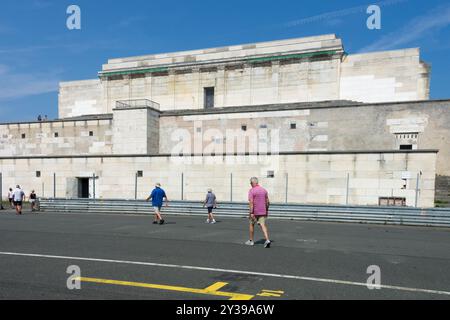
(83, 187)
(406, 147)
(209, 97)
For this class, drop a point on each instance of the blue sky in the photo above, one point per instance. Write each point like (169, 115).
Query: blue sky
(37, 50)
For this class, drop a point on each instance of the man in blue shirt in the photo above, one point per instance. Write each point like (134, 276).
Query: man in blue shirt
(157, 196)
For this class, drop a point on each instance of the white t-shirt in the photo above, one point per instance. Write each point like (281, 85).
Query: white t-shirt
(10, 194)
(18, 194)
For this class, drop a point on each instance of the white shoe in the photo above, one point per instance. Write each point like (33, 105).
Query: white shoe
(249, 243)
(207, 221)
(214, 221)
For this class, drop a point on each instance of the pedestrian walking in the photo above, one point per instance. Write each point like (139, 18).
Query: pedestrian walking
(258, 200)
(33, 201)
(19, 197)
(11, 198)
(157, 196)
(210, 203)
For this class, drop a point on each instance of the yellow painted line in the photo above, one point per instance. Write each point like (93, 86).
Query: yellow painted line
(266, 294)
(216, 286)
(273, 291)
(211, 290)
(270, 293)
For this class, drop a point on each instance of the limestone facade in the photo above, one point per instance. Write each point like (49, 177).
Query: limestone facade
(301, 114)
(312, 177)
(294, 70)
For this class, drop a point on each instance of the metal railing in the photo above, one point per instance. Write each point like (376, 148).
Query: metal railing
(137, 103)
(331, 213)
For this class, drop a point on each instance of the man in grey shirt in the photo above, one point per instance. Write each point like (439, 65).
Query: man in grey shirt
(210, 202)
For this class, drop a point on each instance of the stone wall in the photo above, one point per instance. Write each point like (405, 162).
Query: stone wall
(244, 84)
(293, 70)
(319, 178)
(384, 76)
(317, 128)
(77, 98)
(56, 138)
(135, 131)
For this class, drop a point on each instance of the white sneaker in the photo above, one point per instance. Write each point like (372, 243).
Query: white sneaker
(249, 243)
(207, 221)
(267, 244)
(214, 221)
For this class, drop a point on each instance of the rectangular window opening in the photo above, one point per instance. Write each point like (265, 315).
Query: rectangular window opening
(208, 97)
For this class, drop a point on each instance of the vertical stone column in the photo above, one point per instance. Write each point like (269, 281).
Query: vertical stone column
(172, 88)
(104, 86)
(127, 82)
(148, 86)
(221, 87)
(275, 81)
(199, 98)
(248, 70)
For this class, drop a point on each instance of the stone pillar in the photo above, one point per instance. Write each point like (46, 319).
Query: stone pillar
(221, 87)
(172, 85)
(136, 130)
(148, 86)
(199, 94)
(248, 70)
(275, 81)
(104, 84)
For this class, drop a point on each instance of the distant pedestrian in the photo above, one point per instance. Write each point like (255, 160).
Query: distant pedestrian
(19, 197)
(39, 118)
(33, 201)
(45, 118)
(210, 203)
(11, 198)
(157, 196)
(258, 200)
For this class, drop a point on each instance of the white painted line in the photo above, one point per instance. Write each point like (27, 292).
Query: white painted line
(307, 240)
(263, 274)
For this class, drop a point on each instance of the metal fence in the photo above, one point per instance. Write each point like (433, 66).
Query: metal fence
(137, 103)
(331, 213)
(283, 181)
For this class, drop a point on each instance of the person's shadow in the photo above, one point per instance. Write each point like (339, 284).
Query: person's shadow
(262, 241)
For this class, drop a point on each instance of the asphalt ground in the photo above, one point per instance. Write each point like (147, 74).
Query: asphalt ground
(127, 257)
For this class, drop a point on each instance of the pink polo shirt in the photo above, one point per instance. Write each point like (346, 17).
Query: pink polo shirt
(258, 195)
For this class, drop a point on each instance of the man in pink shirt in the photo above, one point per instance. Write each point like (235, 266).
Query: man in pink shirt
(258, 200)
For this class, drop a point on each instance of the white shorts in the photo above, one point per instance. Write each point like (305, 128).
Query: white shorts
(157, 209)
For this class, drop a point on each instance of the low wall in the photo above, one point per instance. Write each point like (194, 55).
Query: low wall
(313, 178)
